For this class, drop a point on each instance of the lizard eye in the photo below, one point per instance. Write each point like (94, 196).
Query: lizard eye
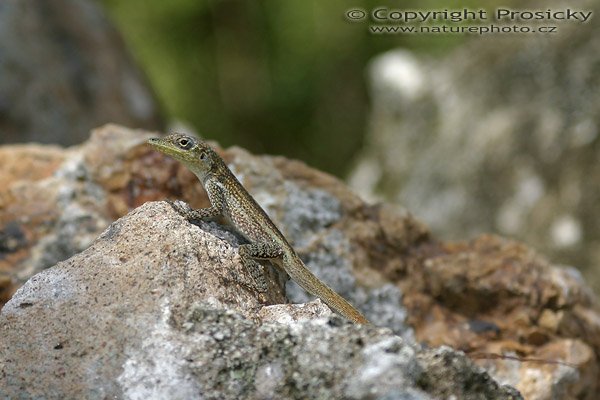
(184, 143)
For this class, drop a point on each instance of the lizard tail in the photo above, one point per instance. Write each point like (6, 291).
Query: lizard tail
(309, 282)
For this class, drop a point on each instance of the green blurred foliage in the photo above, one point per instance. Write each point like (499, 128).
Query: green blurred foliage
(277, 77)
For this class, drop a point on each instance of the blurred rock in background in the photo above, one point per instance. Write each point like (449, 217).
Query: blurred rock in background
(63, 71)
(499, 136)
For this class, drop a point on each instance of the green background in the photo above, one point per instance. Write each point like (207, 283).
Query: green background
(275, 77)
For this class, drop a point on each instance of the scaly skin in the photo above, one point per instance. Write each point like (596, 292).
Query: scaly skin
(230, 199)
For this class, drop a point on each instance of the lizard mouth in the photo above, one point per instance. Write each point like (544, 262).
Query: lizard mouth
(160, 145)
(156, 142)
(168, 148)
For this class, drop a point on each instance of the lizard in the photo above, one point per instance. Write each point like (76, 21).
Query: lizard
(229, 199)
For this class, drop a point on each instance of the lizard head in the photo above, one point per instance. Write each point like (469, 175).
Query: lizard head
(195, 154)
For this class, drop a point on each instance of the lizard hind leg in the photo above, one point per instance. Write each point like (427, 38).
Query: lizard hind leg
(256, 271)
(249, 253)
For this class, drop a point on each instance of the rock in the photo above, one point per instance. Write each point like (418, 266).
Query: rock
(500, 135)
(50, 205)
(543, 378)
(142, 274)
(492, 296)
(288, 313)
(508, 308)
(114, 172)
(63, 71)
(158, 309)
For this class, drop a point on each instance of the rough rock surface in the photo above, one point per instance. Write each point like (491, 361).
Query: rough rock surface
(140, 315)
(63, 71)
(53, 204)
(491, 297)
(501, 135)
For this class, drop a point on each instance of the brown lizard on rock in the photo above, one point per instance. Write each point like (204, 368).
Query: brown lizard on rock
(228, 198)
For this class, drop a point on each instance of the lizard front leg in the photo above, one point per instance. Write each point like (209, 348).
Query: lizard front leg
(203, 214)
